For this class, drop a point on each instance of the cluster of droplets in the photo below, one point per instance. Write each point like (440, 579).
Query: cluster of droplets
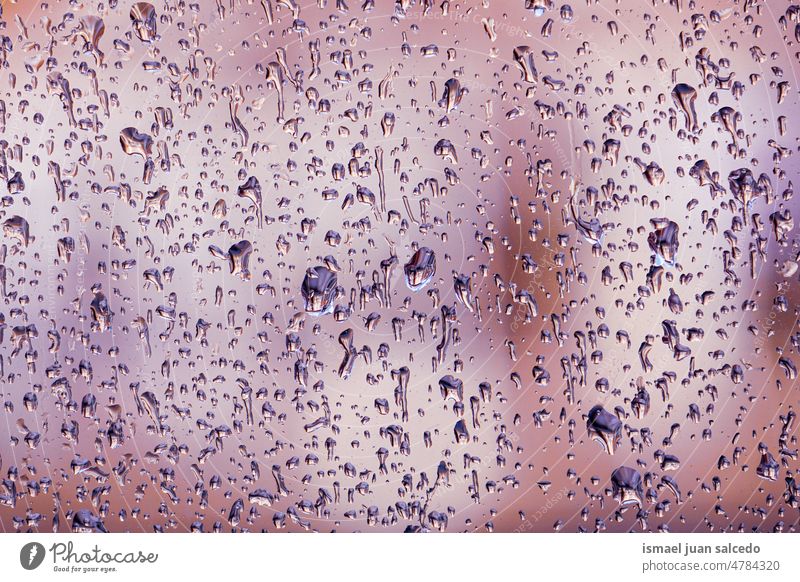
(407, 266)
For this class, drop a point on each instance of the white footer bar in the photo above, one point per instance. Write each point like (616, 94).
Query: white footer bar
(389, 557)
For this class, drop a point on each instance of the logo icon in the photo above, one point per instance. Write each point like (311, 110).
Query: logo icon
(31, 555)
